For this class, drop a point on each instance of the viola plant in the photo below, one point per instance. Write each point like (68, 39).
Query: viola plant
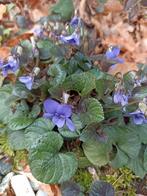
(90, 127)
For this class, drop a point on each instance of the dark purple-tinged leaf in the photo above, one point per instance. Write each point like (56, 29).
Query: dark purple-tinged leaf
(70, 188)
(100, 188)
(132, 7)
(143, 3)
(5, 167)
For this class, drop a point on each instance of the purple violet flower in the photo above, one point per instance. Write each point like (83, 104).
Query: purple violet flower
(59, 113)
(12, 65)
(138, 117)
(38, 32)
(75, 22)
(120, 98)
(27, 80)
(73, 39)
(112, 54)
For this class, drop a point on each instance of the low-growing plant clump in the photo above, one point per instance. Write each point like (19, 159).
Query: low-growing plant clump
(63, 110)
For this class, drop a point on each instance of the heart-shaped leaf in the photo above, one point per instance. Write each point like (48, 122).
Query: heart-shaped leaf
(83, 83)
(63, 8)
(39, 127)
(16, 140)
(96, 151)
(19, 123)
(93, 111)
(47, 164)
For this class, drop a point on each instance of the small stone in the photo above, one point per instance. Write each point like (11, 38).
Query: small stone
(34, 185)
(41, 193)
(5, 183)
(5, 167)
(21, 186)
(1, 177)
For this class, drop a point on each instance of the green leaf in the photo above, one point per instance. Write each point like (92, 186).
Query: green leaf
(129, 80)
(6, 90)
(47, 164)
(96, 151)
(39, 127)
(93, 111)
(83, 83)
(58, 73)
(64, 8)
(19, 123)
(47, 49)
(5, 113)
(126, 138)
(120, 160)
(22, 109)
(139, 92)
(20, 91)
(5, 108)
(27, 54)
(97, 73)
(145, 159)
(137, 167)
(104, 87)
(36, 109)
(17, 140)
(101, 188)
(142, 132)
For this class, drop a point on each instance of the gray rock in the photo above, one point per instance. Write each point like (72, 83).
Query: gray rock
(41, 193)
(21, 186)
(34, 185)
(5, 183)
(5, 167)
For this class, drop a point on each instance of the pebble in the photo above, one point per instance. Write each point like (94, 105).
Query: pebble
(41, 193)
(5, 183)
(21, 186)
(5, 168)
(34, 185)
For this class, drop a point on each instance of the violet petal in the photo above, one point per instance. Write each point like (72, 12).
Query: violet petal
(47, 115)
(75, 21)
(65, 110)
(138, 119)
(70, 124)
(58, 121)
(119, 60)
(51, 106)
(27, 80)
(73, 39)
(124, 100)
(117, 97)
(112, 53)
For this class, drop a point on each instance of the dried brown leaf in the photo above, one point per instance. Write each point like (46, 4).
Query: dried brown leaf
(4, 52)
(3, 10)
(51, 190)
(113, 6)
(14, 41)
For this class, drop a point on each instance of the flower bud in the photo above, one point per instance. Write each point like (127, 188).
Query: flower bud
(19, 50)
(36, 71)
(65, 97)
